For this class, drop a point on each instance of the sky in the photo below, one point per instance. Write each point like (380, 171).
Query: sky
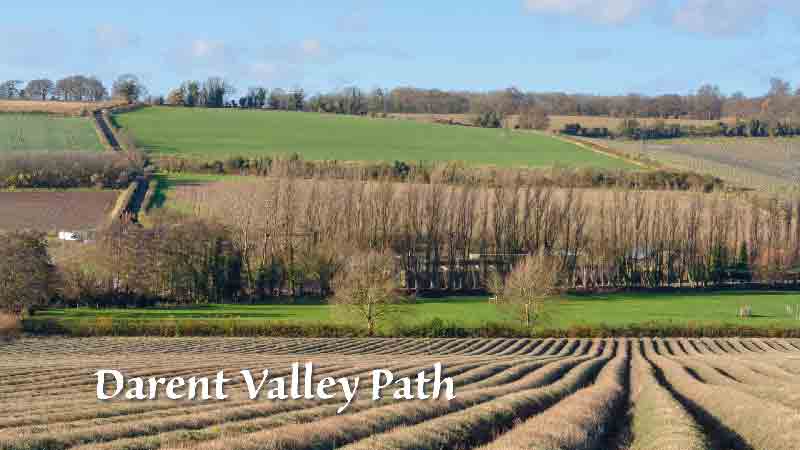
(603, 47)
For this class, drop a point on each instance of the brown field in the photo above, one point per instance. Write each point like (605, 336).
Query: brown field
(558, 122)
(659, 394)
(61, 108)
(434, 118)
(760, 163)
(613, 123)
(52, 211)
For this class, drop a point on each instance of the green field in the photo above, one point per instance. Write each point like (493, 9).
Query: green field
(769, 310)
(219, 133)
(26, 132)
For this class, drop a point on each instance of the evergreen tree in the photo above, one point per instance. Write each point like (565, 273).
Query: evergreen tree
(717, 266)
(743, 272)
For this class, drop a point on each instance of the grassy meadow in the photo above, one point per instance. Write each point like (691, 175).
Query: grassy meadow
(616, 310)
(34, 131)
(219, 133)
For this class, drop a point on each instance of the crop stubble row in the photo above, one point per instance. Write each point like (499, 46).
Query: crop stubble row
(511, 393)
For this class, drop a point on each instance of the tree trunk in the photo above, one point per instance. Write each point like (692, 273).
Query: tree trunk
(370, 322)
(528, 315)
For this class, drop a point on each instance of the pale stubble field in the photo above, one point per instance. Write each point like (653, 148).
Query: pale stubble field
(510, 393)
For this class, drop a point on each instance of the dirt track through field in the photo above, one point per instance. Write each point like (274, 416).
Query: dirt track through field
(655, 394)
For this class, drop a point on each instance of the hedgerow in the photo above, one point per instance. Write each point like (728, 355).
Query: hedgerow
(70, 169)
(235, 327)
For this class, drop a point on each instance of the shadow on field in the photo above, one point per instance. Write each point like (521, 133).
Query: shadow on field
(165, 183)
(672, 293)
(175, 315)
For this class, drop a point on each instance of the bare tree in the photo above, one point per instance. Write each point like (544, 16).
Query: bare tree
(27, 275)
(708, 102)
(93, 89)
(65, 89)
(534, 118)
(532, 282)
(79, 88)
(365, 288)
(128, 87)
(39, 89)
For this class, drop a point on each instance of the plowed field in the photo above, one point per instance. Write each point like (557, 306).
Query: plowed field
(51, 211)
(511, 393)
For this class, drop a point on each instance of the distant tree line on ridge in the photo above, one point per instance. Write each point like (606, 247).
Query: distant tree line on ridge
(75, 88)
(633, 129)
(780, 104)
(707, 103)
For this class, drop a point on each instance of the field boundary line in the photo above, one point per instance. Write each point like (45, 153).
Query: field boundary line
(606, 151)
(103, 129)
(123, 203)
(56, 108)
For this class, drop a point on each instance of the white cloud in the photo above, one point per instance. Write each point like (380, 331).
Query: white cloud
(201, 57)
(298, 52)
(721, 17)
(276, 64)
(709, 17)
(602, 11)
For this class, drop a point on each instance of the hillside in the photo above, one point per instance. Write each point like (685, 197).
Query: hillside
(219, 133)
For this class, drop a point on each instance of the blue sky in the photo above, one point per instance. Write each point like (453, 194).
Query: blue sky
(590, 46)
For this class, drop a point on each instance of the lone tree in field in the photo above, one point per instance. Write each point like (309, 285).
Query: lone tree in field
(128, 87)
(532, 282)
(27, 274)
(365, 287)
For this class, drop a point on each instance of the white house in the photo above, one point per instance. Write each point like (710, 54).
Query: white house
(69, 236)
